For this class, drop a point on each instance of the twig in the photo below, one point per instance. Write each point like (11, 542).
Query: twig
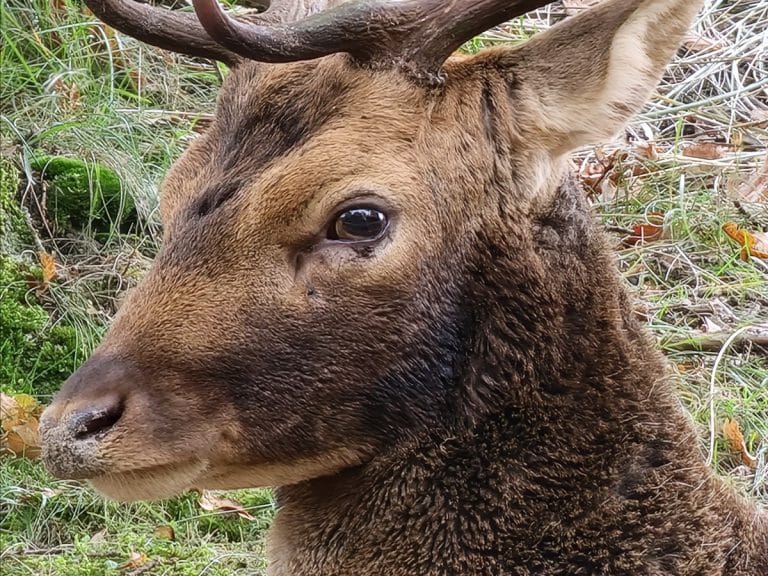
(718, 341)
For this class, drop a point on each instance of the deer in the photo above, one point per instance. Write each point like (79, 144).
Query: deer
(380, 292)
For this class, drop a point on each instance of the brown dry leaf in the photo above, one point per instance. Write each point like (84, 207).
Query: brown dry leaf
(646, 150)
(645, 232)
(705, 150)
(211, 503)
(709, 326)
(732, 433)
(135, 560)
(99, 537)
(605, 175)
(591, 175)
(685, 366)
(74, 95)
(164, 532)
(8, 407)
(599, 173)
(23, 439)
(19, 421)
(756, 189)
(48, 265)
(752, 243)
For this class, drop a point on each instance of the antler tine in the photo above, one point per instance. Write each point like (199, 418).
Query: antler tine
(168, 29)
(263, 40)
(418, 35)
(278, 35)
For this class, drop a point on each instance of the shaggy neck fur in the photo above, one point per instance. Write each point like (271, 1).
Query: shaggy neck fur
(567, 452)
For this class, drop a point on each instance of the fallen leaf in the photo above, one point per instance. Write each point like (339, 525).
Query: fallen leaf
(710, 326)
(23, 438)
(732, 433)
(19, 421)
(752, 243)
(25, 403)
(8, 407)
(646, 150)
(756, 188)
(599, 175)
(645, 232)
(211, 503)
(48, 266)
(98, 537)
(685, 366)
(705, 150)
(164, 532)
(135, 560)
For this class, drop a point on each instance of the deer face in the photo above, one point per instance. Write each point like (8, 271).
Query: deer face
(311, 303)
(306, 307)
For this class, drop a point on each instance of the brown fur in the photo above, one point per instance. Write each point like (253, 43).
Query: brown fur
(469, 395)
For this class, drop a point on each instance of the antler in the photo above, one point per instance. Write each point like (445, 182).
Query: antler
(418, 35)
(168, 29)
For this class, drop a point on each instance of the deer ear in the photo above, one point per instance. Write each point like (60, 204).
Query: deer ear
(580, 81)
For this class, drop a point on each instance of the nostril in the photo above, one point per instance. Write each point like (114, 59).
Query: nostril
(93, 421)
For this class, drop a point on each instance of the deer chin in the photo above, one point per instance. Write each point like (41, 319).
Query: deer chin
(153, 483)
(168, 480)
(236, 476)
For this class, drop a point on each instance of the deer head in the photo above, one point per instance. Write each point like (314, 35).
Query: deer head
(313, 299)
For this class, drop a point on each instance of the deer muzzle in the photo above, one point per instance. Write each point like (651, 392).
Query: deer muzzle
(83, 415)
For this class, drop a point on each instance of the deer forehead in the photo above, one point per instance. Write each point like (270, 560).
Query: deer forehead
(291, 142)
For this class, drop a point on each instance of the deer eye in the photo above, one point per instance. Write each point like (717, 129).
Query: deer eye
(357, 224)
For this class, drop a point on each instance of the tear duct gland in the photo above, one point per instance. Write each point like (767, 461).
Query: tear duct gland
(460, 389)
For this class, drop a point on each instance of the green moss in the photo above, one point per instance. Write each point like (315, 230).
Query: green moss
(35, 356)
(13, 228)
(80, 194)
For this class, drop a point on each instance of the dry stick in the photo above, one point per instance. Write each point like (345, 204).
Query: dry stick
(718, 341)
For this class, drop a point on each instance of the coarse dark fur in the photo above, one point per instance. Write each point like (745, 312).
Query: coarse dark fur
(466, 394)
(564, 450)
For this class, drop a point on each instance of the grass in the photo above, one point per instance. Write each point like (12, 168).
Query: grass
(73, 88)
(696, 281)
(55, 528)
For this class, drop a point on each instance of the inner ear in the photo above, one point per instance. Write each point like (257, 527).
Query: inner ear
(579, 82)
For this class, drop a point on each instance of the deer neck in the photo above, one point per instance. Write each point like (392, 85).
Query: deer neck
(560, 417)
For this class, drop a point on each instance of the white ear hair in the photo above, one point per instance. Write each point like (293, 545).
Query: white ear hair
(583, 79)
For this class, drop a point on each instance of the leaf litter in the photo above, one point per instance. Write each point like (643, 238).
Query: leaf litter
(19, 420)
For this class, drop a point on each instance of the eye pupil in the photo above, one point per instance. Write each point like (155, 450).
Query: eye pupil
(359, 224)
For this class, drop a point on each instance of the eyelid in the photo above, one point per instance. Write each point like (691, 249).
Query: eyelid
(364, 199)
